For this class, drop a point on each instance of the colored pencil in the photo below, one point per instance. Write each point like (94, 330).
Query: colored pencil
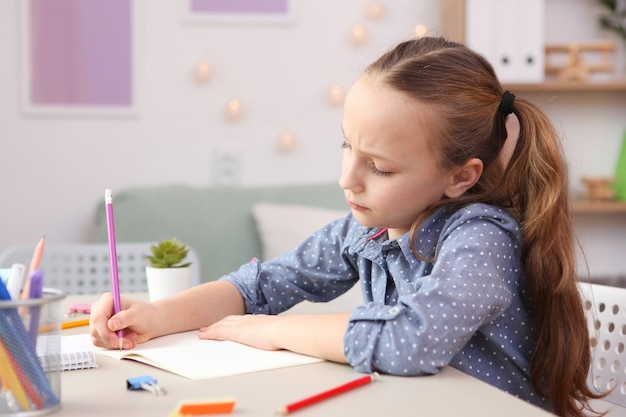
(290, 408)
(75, 323)
(26, 384)
(46, 328)
(12, 328)
(10, 378)
(115, 281)
(36, 291)
(34, 265)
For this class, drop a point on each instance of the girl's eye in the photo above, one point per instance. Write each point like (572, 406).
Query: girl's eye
(377, 171)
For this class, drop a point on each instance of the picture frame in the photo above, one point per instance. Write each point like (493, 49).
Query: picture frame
(245, 11)
(78, 58)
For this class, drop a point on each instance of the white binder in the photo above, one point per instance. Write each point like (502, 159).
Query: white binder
(510, 34)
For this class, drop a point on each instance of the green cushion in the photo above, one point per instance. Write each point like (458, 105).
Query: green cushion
(216, 221)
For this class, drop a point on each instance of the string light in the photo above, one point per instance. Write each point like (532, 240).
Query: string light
(420, 30)
(374, 10)
(233, 110)
(203, 72)
(336, 95)
(358, 35)
(286, 142)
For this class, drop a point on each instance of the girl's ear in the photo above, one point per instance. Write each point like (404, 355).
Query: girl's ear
(464, 178)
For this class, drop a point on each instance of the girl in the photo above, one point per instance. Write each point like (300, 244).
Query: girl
(459, 236)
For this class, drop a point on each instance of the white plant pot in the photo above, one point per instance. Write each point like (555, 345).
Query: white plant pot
(165, 282)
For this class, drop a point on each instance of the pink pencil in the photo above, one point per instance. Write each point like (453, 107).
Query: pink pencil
(115, 280)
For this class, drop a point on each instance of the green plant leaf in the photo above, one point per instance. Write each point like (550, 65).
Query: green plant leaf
(168, 253)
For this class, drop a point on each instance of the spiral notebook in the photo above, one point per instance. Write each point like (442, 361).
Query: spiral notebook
(72, 356)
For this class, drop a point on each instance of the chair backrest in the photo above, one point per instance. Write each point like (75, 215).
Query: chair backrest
(84, 268)
(605, 308)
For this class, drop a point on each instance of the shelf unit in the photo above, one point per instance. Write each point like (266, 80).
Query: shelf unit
(453, 27)
(580, 206)
(568, 86)
(598, 207)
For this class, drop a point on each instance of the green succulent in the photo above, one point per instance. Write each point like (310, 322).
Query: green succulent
(168, 254)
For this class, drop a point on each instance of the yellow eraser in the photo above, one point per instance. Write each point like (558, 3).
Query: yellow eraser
(206, 406)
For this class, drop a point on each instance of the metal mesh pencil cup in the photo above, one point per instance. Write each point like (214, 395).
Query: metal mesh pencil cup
(30, 355)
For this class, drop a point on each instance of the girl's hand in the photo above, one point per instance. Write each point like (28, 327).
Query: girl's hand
(137, 319)
(252, 330)
(319, 335)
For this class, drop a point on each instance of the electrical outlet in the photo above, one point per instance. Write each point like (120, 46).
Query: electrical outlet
(226, 166)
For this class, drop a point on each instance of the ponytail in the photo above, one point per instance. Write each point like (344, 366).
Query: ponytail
(538, 174)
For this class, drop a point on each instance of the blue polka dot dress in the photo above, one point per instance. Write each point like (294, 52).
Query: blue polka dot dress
(465, 307)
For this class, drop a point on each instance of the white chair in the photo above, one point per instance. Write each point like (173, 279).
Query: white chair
(605, 308)
(84, 268)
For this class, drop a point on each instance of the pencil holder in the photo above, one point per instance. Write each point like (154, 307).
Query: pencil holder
(30, 355)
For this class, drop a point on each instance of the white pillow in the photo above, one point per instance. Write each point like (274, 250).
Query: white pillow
(282, 227)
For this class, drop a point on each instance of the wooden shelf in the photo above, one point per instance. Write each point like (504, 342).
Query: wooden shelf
(598, 207)
(608, 86)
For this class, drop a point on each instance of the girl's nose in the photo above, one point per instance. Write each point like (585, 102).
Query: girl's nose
(350, 180)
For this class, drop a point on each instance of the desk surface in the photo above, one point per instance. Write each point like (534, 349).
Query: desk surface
(102, 392)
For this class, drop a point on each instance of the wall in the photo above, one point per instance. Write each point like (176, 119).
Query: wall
(55, 169)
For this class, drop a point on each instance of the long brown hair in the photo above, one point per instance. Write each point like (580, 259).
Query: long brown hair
(462, 89)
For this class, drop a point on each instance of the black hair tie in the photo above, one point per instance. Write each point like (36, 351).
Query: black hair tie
(506, 103)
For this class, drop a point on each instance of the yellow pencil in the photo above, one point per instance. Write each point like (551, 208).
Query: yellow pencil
(76, 323)
(12, 379)
(46, 328)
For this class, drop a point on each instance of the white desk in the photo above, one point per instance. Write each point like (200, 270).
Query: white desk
(102, 392)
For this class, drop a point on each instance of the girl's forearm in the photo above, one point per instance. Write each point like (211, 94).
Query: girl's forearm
(198, 306)
(319, 335)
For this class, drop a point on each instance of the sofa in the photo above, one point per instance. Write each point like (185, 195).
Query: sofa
(225, 225)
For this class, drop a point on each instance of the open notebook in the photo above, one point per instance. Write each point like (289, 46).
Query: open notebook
(73, 354)
(186, 355)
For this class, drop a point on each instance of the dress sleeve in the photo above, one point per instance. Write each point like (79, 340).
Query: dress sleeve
(476, 269)
(315, 271)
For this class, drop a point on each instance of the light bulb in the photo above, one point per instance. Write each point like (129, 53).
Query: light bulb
(203, 72)
(286, 142)
(374, 10)
(420, 30)
(234, 110)
(358, 35)
(336, 94)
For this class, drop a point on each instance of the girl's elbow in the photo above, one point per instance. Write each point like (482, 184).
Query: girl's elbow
(395, 367)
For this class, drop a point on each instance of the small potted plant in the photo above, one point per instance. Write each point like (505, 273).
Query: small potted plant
(168, 254)
(167, 273)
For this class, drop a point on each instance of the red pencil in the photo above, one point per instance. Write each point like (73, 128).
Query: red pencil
(290, 408)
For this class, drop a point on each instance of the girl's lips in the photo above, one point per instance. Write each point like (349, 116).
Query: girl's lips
(354, 206)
